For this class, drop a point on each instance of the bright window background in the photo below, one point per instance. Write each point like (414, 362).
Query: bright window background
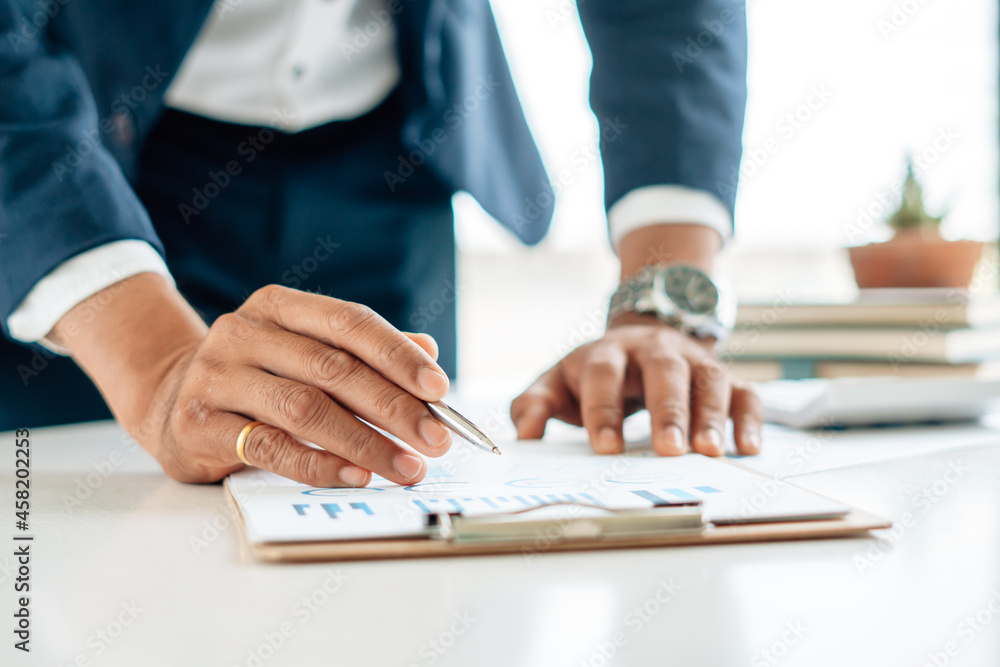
(885, 78)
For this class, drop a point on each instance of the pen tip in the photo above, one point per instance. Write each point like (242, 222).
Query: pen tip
(496, 451)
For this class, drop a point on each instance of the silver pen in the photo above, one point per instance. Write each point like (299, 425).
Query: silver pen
(462, 426)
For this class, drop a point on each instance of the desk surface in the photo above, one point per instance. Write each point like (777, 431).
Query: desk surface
(132, 568)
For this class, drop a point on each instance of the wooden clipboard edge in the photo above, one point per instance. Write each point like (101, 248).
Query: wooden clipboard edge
(856, 523)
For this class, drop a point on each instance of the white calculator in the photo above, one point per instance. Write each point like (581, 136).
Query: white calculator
(876, 400)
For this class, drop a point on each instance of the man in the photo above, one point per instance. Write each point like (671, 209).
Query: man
(271, 150)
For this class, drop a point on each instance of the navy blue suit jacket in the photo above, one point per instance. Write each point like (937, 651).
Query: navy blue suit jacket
(81, 84)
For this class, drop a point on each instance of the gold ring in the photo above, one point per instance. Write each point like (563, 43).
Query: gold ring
(241, 441)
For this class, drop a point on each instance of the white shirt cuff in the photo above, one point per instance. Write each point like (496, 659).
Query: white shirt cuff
(77, 279)
(667, 204)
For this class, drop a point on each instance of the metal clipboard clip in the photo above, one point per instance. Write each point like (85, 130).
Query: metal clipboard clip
(581, 521)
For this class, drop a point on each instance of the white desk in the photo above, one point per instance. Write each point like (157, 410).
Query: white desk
(134, 541)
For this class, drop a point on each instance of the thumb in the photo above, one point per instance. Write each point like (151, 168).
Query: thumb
(547, 398)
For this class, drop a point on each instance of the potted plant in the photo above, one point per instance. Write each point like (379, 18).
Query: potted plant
(916, 255)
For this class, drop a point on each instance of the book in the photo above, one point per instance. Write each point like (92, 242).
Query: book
(946, 308)
(766, 370)
(895, 345)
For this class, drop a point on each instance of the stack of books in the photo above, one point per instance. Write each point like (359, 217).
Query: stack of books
(884, 332)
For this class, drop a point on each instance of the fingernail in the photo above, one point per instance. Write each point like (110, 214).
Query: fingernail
(354, 476)
(673, 441)
(751, 442)
(607, 440)
(432, 382)
(407, 466)
(433, 433)
(711, 442)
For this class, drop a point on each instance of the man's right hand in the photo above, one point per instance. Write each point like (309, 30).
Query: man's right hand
(309, 367)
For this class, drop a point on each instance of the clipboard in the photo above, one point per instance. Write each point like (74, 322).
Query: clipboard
(451, 534)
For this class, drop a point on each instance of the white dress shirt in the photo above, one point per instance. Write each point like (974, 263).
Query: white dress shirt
(305, 62)
(294, 65)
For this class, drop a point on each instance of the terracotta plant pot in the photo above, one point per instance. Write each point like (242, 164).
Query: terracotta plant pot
(916, 258)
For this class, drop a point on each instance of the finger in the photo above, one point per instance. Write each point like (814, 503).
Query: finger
(309, 414)
(601, 397)
(355, 328)
(666, 383)
(747, 415)
(425, 341)
(275, 450)
(710, 390)
(547, 398)
(351, 384)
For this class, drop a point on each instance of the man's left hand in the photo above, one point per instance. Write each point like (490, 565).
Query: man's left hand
(642, 362)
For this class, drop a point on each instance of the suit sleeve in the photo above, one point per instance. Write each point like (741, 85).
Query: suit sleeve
(668, 88)
(61, 192)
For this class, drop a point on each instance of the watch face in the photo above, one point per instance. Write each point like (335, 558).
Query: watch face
(690, 289)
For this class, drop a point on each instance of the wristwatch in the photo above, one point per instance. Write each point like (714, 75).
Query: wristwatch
(681, 296)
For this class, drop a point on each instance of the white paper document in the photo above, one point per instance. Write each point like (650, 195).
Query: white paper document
(526, 475)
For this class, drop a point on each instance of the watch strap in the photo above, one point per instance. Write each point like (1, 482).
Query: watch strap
(641, 294)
